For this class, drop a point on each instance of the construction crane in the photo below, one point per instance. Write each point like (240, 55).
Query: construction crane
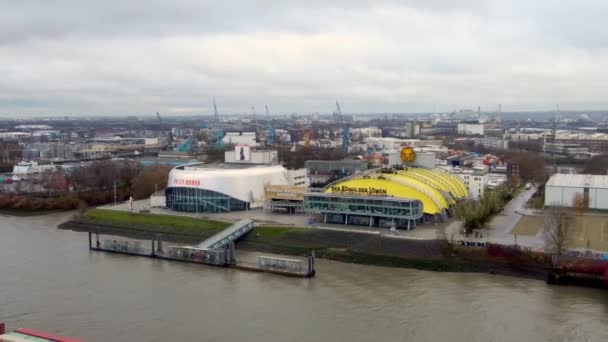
(219, 132)
(256, 127)
(345, 129)
(186, 145)
(271, 134)
(554, 137)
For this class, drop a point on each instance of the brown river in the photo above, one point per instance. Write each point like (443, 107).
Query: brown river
(50, 281)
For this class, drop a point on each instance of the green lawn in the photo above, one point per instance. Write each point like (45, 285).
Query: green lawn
(169, 223)
(529, 225)
(274, 232)
(590, 231)
(586, 230)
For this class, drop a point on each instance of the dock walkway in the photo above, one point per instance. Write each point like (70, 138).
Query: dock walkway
(228, 235)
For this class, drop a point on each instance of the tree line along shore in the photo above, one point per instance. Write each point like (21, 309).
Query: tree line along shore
(98, 183)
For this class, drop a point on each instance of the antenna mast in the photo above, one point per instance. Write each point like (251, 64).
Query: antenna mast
(345, 129)
(554, 137)
(219, 137)
(216, 118)
(271, 134)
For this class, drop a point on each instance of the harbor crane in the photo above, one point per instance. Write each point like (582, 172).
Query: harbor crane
(271, 134)
(219, 132)
(345, 129)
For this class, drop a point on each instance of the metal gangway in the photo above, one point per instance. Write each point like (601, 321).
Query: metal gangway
(228, 235)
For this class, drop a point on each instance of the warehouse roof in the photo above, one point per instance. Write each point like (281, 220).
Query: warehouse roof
(578, 181)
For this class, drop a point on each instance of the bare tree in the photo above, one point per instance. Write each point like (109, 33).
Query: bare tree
(447, 237)
(150, 179)
(580, 202)
(556, 232)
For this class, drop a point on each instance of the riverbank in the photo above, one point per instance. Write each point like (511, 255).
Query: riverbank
(352, 247)
(29, 212)
(342, 246)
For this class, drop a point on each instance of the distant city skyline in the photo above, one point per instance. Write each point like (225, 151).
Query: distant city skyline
(75, 58)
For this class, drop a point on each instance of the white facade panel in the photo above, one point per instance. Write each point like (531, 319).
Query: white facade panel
(568, 195)
(561, 196)
(600, 200)
(244, 184)
(298, 177)
(425, 160)
(240, 138)
(269, 157)
(394, 158)
(553, 195)
(158, 201)
(475, 183)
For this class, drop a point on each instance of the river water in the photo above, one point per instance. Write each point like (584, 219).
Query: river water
(49, 280)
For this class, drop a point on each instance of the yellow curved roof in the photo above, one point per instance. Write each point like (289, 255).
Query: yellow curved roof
(428, 187)
(392, 188)
(457, 181)
(459, 191)
(453, 189)
(440, 186)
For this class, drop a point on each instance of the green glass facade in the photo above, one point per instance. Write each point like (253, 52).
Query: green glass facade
(364, 210)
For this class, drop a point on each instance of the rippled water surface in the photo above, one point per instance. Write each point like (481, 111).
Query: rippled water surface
(49, 280)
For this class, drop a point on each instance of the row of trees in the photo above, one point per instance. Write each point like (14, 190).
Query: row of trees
(10, 154)
(531, 166)
(597, 165)
(295, 159)
(91, 185)
(475, 214)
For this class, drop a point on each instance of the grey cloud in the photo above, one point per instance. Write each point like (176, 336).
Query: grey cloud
(73, 57)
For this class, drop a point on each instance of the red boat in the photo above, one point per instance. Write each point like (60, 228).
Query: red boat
(578, 269)
(29, 335)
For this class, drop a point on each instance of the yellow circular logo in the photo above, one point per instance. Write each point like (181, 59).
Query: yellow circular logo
(408, 155)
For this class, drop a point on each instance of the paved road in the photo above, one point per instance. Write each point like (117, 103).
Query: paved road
(503, 223)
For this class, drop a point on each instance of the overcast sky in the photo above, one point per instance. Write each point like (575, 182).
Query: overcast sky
(122, 57)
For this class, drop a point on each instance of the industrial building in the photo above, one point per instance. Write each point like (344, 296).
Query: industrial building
(475, 180)
(492, 143)
(561, 190)
(389, 144)
(244, 154)
(425, 160)
(470, 128)
(320, 171)
(240, 138)
(567, 150)
(594, 141)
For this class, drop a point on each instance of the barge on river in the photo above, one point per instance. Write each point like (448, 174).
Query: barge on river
(570, 270)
